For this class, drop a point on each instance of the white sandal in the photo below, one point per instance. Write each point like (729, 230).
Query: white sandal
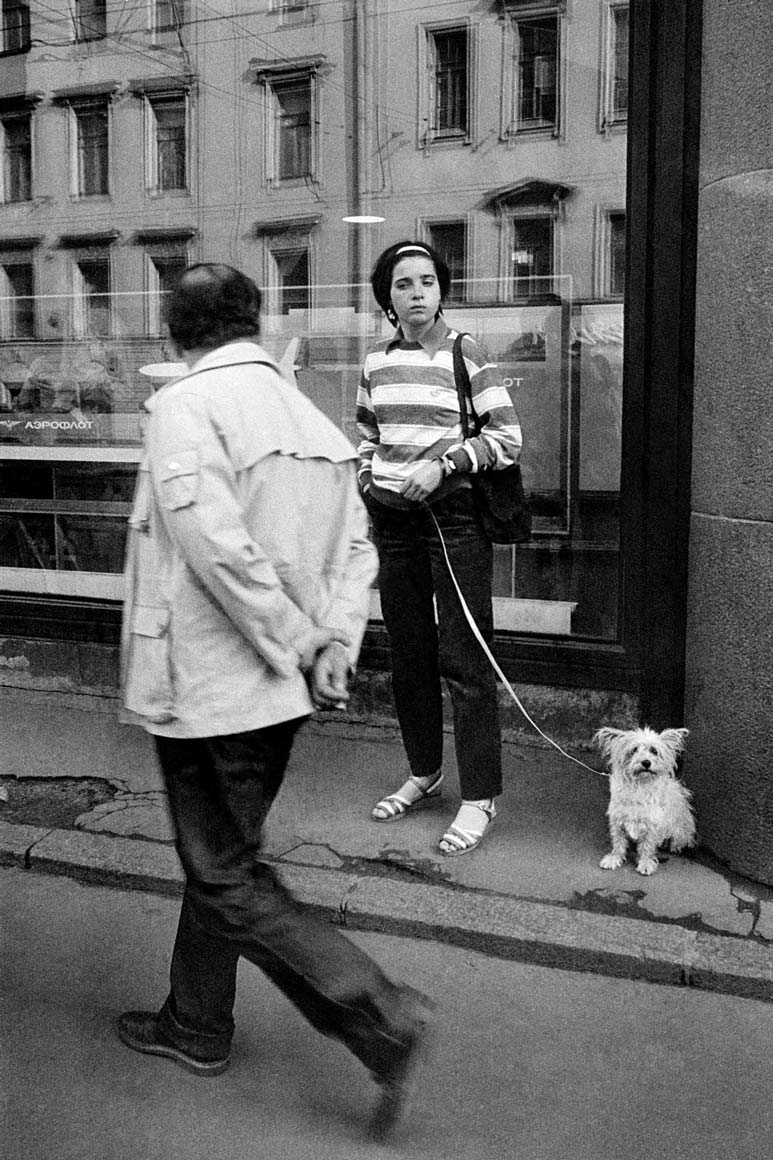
(410, 796)
(464, 834)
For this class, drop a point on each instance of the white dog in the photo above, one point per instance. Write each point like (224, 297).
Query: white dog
(646, 801)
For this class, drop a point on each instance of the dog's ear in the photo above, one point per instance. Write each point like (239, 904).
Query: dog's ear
(606, 737)
(675, 738)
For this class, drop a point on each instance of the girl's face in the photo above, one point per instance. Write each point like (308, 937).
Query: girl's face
(415, 294)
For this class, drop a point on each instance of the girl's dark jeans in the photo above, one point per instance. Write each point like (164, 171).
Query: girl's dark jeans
(220, 790)
(412, 570)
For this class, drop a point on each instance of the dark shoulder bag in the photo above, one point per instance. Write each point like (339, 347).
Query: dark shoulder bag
(499, 495)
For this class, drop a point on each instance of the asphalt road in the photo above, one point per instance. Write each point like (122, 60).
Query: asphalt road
(528, 1063)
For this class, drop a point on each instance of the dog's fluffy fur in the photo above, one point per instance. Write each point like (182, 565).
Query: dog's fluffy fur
(647, 804)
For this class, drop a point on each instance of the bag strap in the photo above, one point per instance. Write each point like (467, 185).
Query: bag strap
(464, 388)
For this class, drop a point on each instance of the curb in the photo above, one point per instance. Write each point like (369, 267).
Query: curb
(492, 924)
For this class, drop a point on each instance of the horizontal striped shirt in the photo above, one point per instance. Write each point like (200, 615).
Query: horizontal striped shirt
(408, 410)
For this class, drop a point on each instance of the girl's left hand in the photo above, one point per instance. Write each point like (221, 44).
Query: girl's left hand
(422, 481)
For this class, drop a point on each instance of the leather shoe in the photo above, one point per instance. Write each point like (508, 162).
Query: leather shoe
(142, 1031)
(395, 1078)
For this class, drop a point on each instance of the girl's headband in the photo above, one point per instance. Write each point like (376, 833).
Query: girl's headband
(413, 249)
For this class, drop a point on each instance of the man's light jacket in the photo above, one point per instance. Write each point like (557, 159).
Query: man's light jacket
(247, 533)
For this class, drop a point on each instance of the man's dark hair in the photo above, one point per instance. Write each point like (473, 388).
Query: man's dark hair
(381, 278)
(212, 304)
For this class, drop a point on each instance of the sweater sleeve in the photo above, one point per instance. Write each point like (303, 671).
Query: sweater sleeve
(367, 426)
(499, 441)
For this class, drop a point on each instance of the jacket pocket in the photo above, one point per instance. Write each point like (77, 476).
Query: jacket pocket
(179, 480)
(148, 676)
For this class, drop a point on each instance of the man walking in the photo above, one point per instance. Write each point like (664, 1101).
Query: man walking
(248, 572)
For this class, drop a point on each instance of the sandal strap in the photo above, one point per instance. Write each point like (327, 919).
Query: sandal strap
(428, 792)
(396, 804)
(393, 805)
(461, 839)
(465, 839)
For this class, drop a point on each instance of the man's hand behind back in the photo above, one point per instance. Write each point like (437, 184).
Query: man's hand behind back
(329, 676)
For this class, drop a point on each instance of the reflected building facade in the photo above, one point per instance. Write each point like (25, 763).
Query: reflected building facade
(295, 140)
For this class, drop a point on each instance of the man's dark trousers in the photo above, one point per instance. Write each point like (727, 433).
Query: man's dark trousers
(220, 791)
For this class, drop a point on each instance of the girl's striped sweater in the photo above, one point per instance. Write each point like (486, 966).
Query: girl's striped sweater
(408, 412)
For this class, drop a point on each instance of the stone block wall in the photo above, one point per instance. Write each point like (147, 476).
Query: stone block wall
(729, 689)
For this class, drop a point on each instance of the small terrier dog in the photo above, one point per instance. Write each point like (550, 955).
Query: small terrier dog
(647, 803)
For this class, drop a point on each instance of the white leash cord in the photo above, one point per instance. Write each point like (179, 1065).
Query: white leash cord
(492, 659)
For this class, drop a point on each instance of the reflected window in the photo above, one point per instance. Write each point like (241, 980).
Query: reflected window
(616, 111)
(17, 282)
(91, 304)
(292, 116)
(90, 19)
(166, 267)
(16, 26)
(91, 125)
(536, 74)
(450, 241)
(532, 255)
(167, 15)
(616, 255)
(290, 9)
(17, 157)
(449, 68)
(291, 286)
(169, 153)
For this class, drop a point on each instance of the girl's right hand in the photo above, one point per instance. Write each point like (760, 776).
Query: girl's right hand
(422, 481)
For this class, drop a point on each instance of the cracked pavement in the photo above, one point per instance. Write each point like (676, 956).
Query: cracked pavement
(543, 851)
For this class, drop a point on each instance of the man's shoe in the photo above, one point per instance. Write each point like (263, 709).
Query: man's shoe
(140, 1030)
(395, 1080)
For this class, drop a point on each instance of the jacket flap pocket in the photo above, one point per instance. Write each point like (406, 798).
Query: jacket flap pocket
(150, 620)
(179, 479)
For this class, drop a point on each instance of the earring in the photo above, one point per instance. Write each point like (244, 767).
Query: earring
(391, 315)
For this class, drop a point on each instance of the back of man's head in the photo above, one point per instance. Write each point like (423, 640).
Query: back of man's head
(212, 304)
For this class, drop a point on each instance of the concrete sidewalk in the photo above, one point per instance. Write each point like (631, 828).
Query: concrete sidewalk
(533, 891)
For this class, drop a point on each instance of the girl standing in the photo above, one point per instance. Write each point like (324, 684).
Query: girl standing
(413, 461)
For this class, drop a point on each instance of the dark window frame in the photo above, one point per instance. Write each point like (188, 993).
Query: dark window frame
(90, 19)
(96, 297)
(170, 145)
(532, 285)
(176, 14)
(293, 158)
(92, 148)
(17, 162)
(450, 110)
(21, 310)
(16, 35)
(530, 94)
(615, 256)
(617, 112)
(457, 264)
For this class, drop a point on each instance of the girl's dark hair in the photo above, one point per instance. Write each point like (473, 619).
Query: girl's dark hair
(212, 304)
(381, 278)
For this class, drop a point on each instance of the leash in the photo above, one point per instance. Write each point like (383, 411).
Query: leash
(493, 662)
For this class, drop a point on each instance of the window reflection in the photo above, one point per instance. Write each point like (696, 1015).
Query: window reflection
(497, 135)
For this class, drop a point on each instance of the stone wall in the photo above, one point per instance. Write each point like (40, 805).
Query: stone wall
(729, 692)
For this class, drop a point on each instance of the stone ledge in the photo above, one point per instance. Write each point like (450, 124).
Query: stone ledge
(492, 924)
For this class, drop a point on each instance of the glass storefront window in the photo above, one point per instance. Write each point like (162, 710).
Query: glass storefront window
(334, 134)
